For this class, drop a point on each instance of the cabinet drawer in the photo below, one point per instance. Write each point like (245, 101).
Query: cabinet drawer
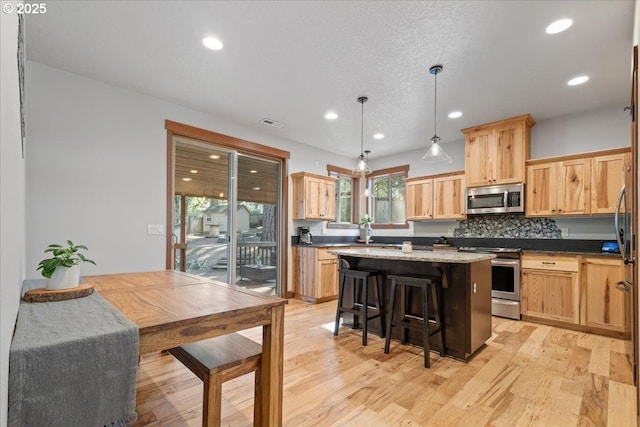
(323, 254)
(554, 263)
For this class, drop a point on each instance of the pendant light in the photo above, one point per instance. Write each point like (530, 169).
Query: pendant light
(435, 153)
(366, 193)
(362, 167)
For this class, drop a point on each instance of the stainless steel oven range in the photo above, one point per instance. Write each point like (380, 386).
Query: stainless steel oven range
(505, 280)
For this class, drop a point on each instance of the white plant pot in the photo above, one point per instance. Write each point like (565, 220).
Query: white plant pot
(64, 278)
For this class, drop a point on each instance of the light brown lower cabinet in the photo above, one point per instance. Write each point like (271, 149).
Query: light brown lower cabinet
(578, 292)
(315, 274)
(604, 306)
(550, 288)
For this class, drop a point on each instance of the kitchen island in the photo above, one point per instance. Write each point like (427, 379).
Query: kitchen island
(466, 292)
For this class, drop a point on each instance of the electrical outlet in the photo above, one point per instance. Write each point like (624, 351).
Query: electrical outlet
(155, 229)
(565, 232)
(450, 231)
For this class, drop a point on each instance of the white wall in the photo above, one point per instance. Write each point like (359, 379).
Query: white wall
(596, 130)
(97, 166)
(12, 200)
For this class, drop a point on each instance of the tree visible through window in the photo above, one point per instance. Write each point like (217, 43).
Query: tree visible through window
(344, 199)
(388, 203)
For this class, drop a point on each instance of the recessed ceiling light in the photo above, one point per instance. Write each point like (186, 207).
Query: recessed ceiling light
(253, 171)
(378, 136)
(255, 188)
(194, 171)
(331, 115)
(577, 80)
(559, 26)
(214, 156)
(187, 179)
(455, 114)
(212, 43)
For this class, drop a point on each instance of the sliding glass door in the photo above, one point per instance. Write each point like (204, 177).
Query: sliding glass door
(226, 215)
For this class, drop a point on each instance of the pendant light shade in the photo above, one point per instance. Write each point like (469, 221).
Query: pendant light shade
(435, 153)
(362, 166)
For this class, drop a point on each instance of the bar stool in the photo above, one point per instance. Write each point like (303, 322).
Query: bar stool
(361, 280)
(429, 285)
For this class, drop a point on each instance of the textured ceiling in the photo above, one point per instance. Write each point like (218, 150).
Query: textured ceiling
(291, 61)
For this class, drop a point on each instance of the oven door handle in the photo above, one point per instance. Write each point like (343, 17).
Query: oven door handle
(505, 262)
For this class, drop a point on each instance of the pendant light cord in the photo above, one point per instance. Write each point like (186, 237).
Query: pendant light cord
(435, 105)
(362, 130)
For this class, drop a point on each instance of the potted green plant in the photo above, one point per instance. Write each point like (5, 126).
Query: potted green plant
(365, 228)
(61, 270)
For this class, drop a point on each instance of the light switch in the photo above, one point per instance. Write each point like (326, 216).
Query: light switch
(564, 232)
(155, 229)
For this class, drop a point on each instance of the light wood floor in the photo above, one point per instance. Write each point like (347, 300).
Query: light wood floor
(527, 375)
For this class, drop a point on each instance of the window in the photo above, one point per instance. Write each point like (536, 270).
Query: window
(387, 204)
(346, 197)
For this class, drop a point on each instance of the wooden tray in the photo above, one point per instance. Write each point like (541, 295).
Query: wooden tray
(45, 295)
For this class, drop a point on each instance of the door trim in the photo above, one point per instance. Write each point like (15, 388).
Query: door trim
(241, 146)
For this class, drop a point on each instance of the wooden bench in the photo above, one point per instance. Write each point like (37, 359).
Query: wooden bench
(217, 360)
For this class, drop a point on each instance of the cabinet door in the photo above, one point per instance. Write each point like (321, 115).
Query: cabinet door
(606, 306)
(327, 283)
(607, 177)
(573, 187)
(304, 278)
(552, 295)
(540, 189)
(419, 200)
(509, 153)
(479, 158)
(448, 197)
(327, 202)
(313, 189)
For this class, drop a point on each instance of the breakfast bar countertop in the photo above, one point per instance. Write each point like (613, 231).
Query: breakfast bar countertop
(425, 256)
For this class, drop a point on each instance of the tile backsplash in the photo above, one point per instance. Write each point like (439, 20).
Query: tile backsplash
(508, 226)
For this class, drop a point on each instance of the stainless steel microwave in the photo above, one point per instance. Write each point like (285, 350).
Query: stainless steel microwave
(495, 199)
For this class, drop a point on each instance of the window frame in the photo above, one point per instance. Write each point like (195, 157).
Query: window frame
(355, 191)
(394, 171)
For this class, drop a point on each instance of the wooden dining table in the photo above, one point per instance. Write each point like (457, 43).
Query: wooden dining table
(172, 308)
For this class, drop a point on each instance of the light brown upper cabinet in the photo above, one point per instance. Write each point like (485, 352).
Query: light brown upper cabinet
(582, 184)
(558, 188)
(419, 199)
(495, 153)
(435, 197)
(607, 176)
(314, 196)
(448, 197)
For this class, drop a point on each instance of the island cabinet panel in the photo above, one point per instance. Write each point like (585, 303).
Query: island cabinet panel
(550, 288)
(314, 196)
(605, 306)
(495, 153)
(315, 274)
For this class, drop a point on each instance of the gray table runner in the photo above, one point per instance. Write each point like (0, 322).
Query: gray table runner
(72, 363)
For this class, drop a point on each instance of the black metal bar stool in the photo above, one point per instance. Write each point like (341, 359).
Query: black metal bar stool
(361, 279)
(432, 323)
